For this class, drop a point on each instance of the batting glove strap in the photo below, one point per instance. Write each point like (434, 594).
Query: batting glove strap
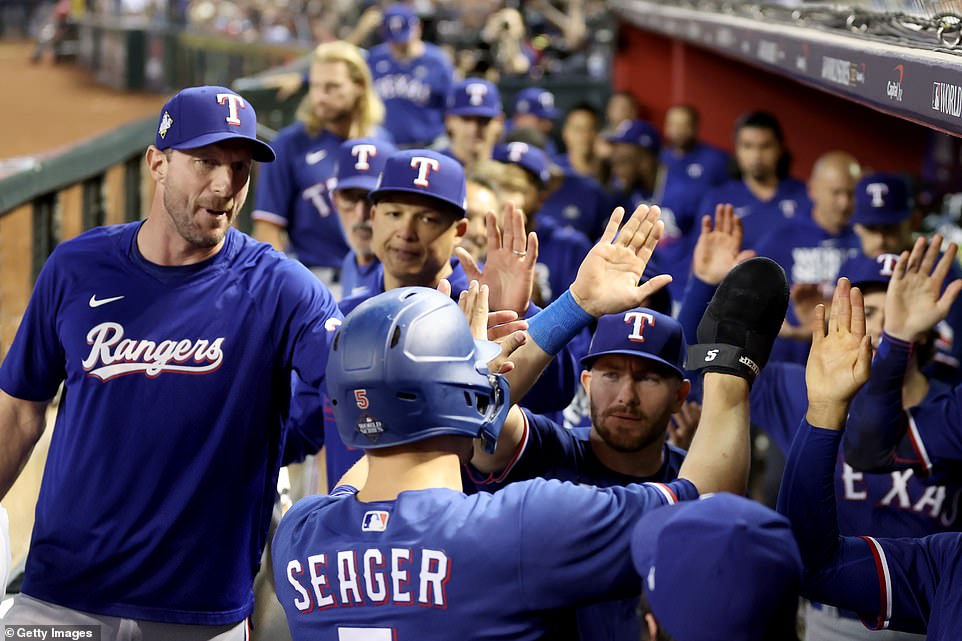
(724, 359)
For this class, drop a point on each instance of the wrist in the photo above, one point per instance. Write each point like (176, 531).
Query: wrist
(558, 323)
(582, 302)
(829, 415)
(903, 334)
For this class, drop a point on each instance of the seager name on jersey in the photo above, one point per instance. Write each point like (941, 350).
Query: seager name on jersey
(112, 355)
(397, 576)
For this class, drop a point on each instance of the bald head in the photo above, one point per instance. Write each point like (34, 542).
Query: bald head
(832, 189)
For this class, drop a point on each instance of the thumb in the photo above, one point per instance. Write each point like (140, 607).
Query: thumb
(444, 287)
(471, 268)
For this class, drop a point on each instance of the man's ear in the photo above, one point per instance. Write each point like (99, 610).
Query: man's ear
(157, 162)
(586, 381)
(460, 228)
(683, 389)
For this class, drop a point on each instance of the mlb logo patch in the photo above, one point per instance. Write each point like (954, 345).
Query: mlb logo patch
(374, 521)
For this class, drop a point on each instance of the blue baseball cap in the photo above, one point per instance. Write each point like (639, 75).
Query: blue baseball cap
(640, 332)
(636, 132)
(721, 567)
(525, 156)
(399, 23)
(360, 161)
(474, 97)
(861, 270)
(424, 172)
(201, 116)
(537, 102)
(881, 199)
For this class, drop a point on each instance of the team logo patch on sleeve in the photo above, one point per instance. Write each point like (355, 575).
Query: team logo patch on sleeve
(374, 521)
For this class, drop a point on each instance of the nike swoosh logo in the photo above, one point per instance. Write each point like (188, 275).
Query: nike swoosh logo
(316, 156)
(103, 301)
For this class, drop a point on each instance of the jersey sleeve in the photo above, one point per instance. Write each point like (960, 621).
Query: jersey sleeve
(544, 444)
(694, 302)
(35, 365)
(274, 198)
(575, 540)
(778, 401)
(881, 436)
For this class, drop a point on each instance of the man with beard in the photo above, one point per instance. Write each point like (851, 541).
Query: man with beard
(292, 206)
(635, 380)
(175, 339)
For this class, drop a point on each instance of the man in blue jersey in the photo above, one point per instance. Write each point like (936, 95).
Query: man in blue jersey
(350, 565)
(763, 194)
(579, 132)
(292, 205)
(412, 77)
(175, 339)
(534, 109)
(474, 119)
(907, 584)
(690, 165)
(359, 165)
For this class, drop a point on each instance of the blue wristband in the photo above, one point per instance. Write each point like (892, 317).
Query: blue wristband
(558, 323)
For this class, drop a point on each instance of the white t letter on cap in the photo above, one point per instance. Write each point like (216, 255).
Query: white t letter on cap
(476, 92)
(638, 321)
(877, 191)
(517, 150)
(233, 101)
(424, 166)
(362, 152)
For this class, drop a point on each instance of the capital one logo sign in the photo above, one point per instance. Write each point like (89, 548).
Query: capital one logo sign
(476, 93)
(234, 103)
(638, 322)
(424, 166)
(877, 191)
(363, 153)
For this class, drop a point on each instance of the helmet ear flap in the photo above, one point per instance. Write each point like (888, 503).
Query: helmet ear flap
(495, 411)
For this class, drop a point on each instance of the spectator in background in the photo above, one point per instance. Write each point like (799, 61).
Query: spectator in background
(580, 135)
(690, 165)
(474, 119)
(763, 193)
(622, 106)
(534, 109)
(412, 77)
(511, 55)
(292, 208)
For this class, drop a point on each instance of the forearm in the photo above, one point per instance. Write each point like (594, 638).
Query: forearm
(694, 302)
(878, 422)
(719, 456)
(21, 425)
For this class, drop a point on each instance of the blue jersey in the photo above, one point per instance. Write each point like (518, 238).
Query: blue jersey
(560, 252)
(695, 171)
(891, 504)
(414, 93)
(550, 451)
(758, 216)
(907, 584)
(485, 566)
(809, 255)
(580, 203)
(294, 192)
(357, 280)
(158, 489)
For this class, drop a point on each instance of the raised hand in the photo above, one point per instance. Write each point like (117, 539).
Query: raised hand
(915, 302)
(509, 265)
(719, 248)
(840, 359)
(502, 326)
(607, 281)
(683, 424)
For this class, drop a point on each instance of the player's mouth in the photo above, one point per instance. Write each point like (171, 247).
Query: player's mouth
(404, 255)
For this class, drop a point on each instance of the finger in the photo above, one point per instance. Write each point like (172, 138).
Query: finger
(532, 256)
(901, 265)
(719, 216)
(818, 326)
(494, 234)
(632, 226)
(511, 343)
(499, 332)
(517, 231)
(471, 268)
(948, 298)
(649, 287)
(651, 241)
(931, 254)
(507, 226)
(842, 312)
(481, 309)
(647, 227)
(611, 229)
(706, 224)
(738, 229)
(945, 266)
(725, 223)
(857, 317)
(915, 257)
(501, 316)
(744, 255)
(444, 286)
(863, 363)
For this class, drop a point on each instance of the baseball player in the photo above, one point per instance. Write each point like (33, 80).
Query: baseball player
(351, 564)
(534, 108)
(925, 438)
(908, 584)
(722, 567)
(690, 165)
(412, 77)
(764, 194)
(884, 222)
(579, 132)
(473, 119)
(481, 196)
(359, 165)
(175, 338)
(292, 208)
(811, 248)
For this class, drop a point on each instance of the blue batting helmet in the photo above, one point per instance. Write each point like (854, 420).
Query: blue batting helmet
(404, 367)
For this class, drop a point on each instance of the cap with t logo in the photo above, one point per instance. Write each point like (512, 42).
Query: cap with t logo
(474, 97)
(424, 172)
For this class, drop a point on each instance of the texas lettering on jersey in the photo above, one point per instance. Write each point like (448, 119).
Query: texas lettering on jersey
(929, 500)
(402, 86)
(396, 576)
(111, 355)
